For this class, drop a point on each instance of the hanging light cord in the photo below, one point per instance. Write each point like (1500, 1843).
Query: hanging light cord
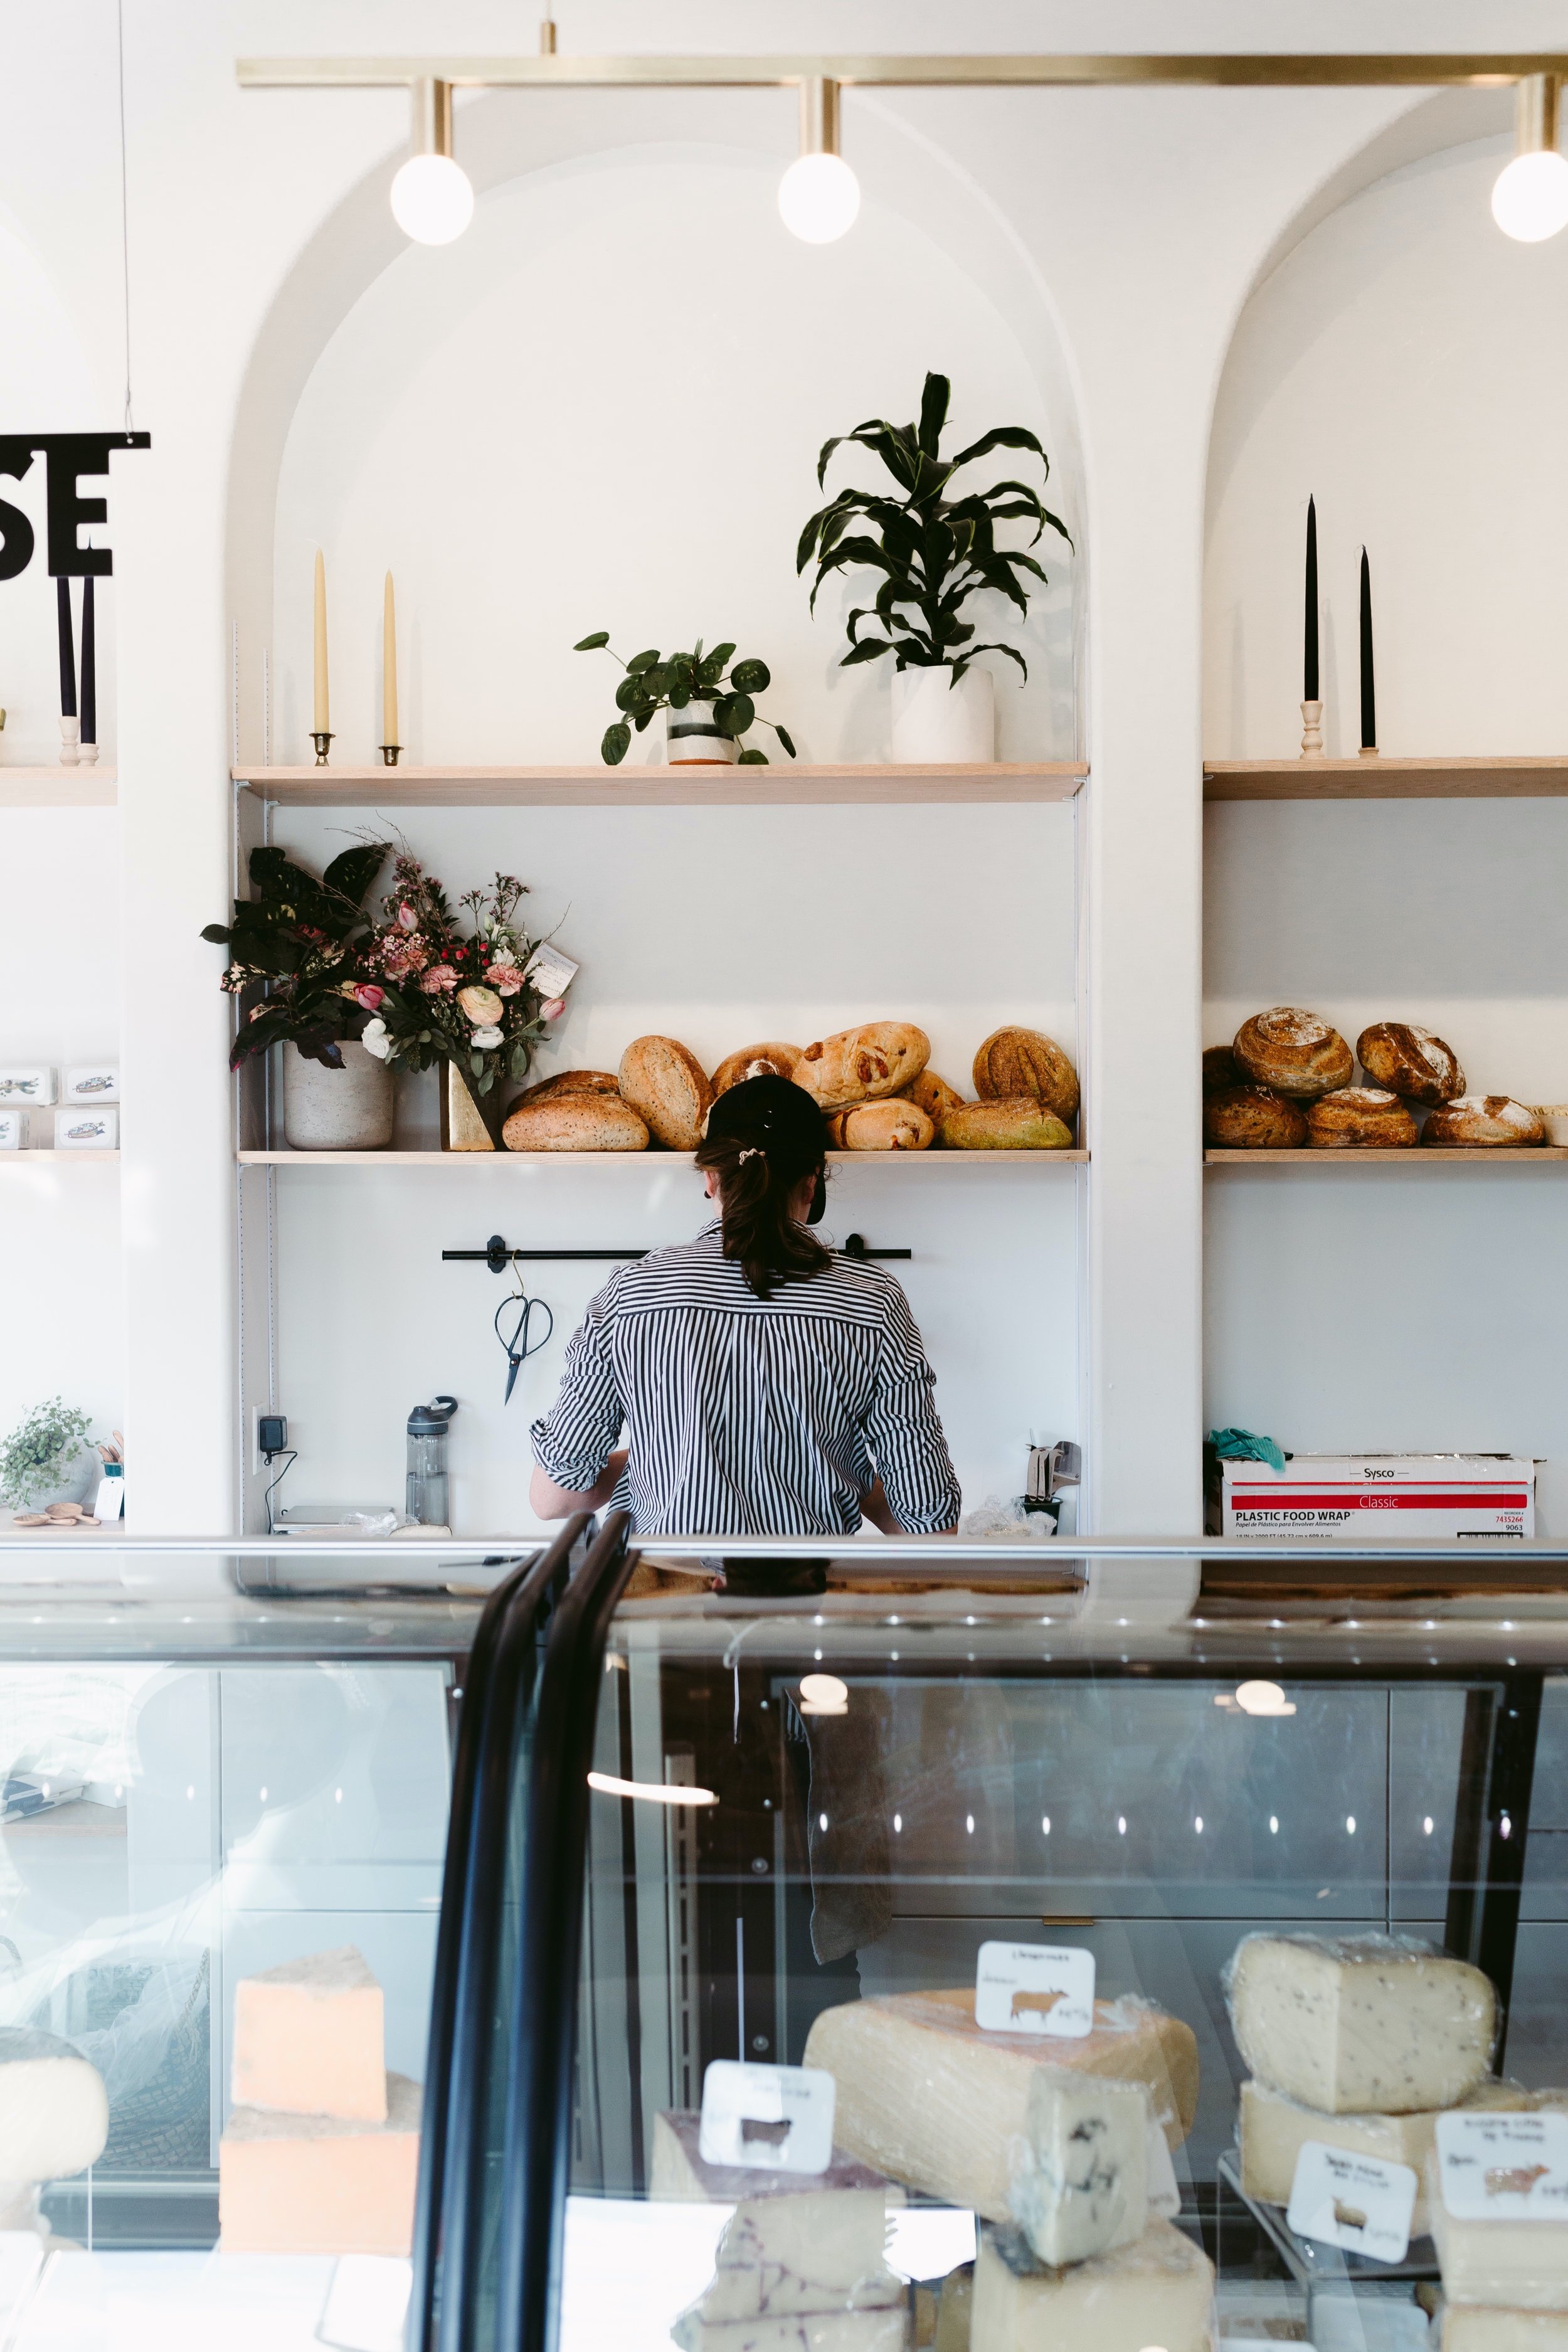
(124, 209)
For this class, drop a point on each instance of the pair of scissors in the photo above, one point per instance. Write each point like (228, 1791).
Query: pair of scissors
(521, 1344)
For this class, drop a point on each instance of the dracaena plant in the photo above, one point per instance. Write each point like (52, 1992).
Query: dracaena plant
(295, 943)
(934, 545)
(655, 681)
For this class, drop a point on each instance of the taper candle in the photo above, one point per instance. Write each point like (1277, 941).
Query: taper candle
(321, 722)
(388, 666)
(67, 648)
(88, 665)
(1310, 665)
(1368, 687)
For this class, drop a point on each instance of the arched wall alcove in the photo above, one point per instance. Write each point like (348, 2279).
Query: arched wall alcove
(1401, 361)
(602, 409)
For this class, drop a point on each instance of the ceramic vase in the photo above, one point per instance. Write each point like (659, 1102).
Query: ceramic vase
(692, 740)
(336, 1110)
(939, 724)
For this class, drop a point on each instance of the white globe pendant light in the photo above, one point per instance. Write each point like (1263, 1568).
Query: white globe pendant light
(819, 195)
(431, 195)
(1530, 199)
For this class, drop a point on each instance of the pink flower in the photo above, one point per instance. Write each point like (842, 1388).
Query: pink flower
(553, 1010)
(407, 919)
(481, 1005)
(506, 979)
(401, 959)
(369, 996)
(439, 976)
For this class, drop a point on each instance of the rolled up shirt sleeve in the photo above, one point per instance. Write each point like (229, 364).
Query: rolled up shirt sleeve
(573, 1441)
(904, 1432)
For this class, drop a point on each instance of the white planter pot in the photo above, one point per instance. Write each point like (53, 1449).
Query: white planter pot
(938, 724)
(691, 740)
(75, 1481)
(336, 1110)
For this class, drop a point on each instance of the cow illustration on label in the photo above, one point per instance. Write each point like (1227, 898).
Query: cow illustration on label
(1514, 2180)
(1348, 2217)
(1034, 2004)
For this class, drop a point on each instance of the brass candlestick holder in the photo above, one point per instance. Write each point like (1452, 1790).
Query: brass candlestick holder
(389, 754)
(320, 738)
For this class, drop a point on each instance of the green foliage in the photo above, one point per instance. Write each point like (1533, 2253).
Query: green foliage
(655, 681)
(933, 551)
(293, 940)
(37, 1456)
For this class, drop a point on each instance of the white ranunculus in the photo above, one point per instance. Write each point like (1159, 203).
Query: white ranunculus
(375, 1039)
(482, 1037)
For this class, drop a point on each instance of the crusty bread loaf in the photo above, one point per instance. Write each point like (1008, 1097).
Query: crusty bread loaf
(1359, 1116)
(1410, 1060)
(769, 1060)
(894, 1124)
(1017, 1123)
(666, 1086)
(863, 1064)
(934, 1096)
(1484, 1118)
(1013, 1062)
(569, 1082)
(1253, 1119)
(1294, 1052)
(587, 1122)
(1221, 1069)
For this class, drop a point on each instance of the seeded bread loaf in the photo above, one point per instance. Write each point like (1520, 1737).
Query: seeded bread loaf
(1013, 1062)
(1294, 1052)
(1253, 1119)
(769, 1060)
(1021, 1123)
(893, 1125)
(863, 1064)
(589, 1122)
(1355, 1118)
(1410, 1062)
(1484, 1119)
(1221, 1069)
(668, 1087)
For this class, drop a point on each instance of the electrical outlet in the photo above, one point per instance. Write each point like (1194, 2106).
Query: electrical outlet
(269, 1438)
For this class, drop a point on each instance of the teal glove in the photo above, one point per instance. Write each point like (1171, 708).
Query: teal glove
(1245, 1446)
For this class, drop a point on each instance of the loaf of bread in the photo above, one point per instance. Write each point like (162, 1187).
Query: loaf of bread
(569, 1082)
(1482, 1119)
(1018, 1123)
(1253, 1119)
(1221, 1069)
(863, 1064)
(586, 1122)
(769, 1060)
(934, 1096)
(1013, 1062)
(669, 1089)
(894, 1124)
(1294, 1052)
(1410, 1062)
(1360, 1118)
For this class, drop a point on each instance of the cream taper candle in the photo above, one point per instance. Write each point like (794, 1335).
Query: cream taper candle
(321, 722)
(388, 666)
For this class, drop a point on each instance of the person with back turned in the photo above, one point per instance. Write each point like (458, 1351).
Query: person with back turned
(764, 1385)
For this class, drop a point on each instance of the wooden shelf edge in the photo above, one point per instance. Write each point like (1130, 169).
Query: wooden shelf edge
(59, 787)
(1497, 776)
(645, 1159)
(776, 785)
(1404, 1155)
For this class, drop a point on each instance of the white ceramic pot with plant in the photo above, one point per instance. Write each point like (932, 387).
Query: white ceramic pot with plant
(47, 1459)
(348, 1108)
(934, 549)
(706, 713)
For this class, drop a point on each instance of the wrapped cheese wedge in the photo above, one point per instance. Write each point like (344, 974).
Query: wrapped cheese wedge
(1274, 2129)
(1156, 2292)
(1367, 2025)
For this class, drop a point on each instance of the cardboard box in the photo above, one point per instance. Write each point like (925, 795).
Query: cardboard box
(1377, 1497)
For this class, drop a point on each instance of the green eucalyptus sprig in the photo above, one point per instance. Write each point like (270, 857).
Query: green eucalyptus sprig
(655, 681)
(934, 551)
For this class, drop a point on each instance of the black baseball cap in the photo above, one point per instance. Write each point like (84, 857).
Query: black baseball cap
(775, 1113)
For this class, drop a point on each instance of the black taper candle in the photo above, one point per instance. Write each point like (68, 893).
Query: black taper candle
(1309, 666)
(67, 649)
(88, 665)
(1368, 687)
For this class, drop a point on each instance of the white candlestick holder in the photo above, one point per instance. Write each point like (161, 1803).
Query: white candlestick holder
(1311, 730)
(71, 741)
(87, 754)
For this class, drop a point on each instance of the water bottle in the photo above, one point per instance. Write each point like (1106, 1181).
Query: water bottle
(425, 1500)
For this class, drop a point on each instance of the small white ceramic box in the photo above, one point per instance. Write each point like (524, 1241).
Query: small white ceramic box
(26, 1085)
(13, 1130)
(92, 1082)
(87, 1130)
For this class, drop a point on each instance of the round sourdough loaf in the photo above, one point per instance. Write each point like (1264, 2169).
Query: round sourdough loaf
(1013, 1062)
(1410, 1062)
(1253, 1119)
(1360, 1117)
(769, 1060)
(893, 1125)
(934, 1096)
(1018, 1123)
(569, 1082)
(1484, 1119)
(862, 1065)
(590, 1122)
(1221, 1069)
(668, 1087)
(1294, 1052)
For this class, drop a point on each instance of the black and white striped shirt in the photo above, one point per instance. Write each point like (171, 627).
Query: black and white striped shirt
(750, 1416)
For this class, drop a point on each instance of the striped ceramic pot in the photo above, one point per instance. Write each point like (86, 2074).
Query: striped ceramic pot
(692, 740)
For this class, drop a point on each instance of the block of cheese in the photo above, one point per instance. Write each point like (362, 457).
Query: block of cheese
(783, 2256)
(955, 2311)
(1360, 2024)
(1481, 2327)
(1155, 2291)
(813, 2331)
(321, 2184)
(1274, 2130)
(926, 2095)
(309, 2039)
(1080, 2180)
(54, 2111)
(1518, 2265)
(679, 2175)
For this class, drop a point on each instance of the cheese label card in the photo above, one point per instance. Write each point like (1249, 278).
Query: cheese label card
(550, 971)
(1164, 2196)
(767, 2119)
(1358, 2202)
(1504, 2168)
(1034, 1989)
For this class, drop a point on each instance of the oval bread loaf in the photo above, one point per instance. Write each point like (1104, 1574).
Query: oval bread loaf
(893, 1125)
(1019, 1123)
(1221, 1069)
(863, 1064)
(668, 1087)
(1410, 1060)
(1294, 1052)
(1484, 1119)
(769, 1060)
(1360, 1117)
(569, 1082)
(575, 1123)
(1253, 1119)
(934, 1096)
(1013, 1062)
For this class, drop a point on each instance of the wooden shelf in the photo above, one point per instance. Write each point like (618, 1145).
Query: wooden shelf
(1404, 1155)
(780, 785)
(50, 1159)
(648, 1161)
(1505, 777)
(59, 787)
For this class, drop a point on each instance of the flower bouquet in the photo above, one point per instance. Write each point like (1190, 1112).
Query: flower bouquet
(300, 941)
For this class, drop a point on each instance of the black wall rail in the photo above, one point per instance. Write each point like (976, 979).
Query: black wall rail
(498, 1256)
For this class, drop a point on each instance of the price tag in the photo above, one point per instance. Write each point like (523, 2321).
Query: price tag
(767, 2119)
(1358, 2202)
(1503, 2168)
(550, 971)
(1034, 1989)
(1164, 2196)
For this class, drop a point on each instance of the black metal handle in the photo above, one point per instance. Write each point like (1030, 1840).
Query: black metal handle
(498, 1256)
(857, 1245)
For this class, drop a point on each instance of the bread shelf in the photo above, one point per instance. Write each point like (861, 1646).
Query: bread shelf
(1404, 1155)
(648, 1161)
(1496, 777)
(59, 787)
(779, 785)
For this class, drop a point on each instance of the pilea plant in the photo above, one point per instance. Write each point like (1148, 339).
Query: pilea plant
(655, 681)
(933, 550)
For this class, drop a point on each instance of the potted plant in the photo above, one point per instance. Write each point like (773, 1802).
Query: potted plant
(44, 1460)
(934, 552)
(707, 713)
(296, 940)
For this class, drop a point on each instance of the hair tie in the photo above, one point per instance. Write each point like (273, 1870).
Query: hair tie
(752, 1151)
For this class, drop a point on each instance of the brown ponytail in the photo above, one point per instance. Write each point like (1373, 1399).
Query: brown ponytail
(761, 1161)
